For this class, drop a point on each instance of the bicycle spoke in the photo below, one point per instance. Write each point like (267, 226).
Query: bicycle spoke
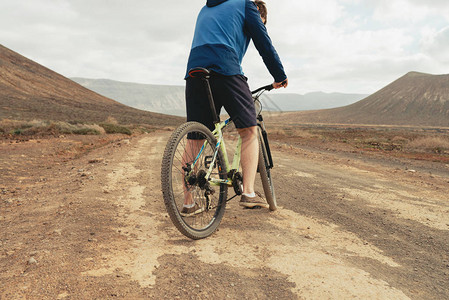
(190, 153)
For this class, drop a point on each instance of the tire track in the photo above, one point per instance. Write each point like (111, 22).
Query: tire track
(288, 247)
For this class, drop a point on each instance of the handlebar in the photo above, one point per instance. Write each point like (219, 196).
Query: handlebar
(264, 88)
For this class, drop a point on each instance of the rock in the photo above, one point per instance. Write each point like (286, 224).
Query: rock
(32, 261)
(96, 160)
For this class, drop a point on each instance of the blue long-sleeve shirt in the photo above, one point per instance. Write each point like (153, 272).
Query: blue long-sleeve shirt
(223, 31)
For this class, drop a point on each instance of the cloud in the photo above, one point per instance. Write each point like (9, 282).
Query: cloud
(436, 44)
(354, 46)
(413, 11)
(137, 41)
(328, 45)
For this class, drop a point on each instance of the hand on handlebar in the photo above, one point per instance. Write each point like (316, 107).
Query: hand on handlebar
(284, 84)
(274, 85)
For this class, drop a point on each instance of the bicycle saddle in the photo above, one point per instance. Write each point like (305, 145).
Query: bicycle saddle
(199, 72)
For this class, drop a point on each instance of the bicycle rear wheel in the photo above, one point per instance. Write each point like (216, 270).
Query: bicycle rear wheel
(195, 207)
(265, 173)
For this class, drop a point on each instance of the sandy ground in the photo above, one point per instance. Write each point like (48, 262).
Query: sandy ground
(95, 227)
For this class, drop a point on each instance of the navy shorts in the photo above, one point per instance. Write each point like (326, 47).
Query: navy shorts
(230, 92)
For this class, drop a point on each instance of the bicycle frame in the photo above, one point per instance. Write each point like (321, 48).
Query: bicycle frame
(218, 133)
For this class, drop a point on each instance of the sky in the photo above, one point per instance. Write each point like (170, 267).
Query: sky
(348, 46)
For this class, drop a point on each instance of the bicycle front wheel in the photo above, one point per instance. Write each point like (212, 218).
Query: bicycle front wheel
(195, 204)
(265, 173)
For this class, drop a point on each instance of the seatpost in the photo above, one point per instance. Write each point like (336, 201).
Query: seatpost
(211, 99)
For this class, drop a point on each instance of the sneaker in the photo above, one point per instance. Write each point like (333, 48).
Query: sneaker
(252, 202)
(190, 211)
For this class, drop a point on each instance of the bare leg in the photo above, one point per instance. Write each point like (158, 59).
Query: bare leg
(249, 158)
(190, 152)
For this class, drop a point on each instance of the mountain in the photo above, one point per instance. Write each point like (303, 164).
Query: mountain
(171, 100)
(29, 91)
(414, 99)
(309, 101)
(157, 98)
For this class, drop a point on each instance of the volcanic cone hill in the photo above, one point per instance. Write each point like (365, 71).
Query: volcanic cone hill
(30, 91)
(415, 99)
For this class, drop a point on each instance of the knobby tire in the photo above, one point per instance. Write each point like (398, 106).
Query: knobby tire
(265, 174)
(170, 172)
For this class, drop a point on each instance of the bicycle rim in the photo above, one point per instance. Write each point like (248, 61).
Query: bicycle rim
(265, 175)
(189, 143)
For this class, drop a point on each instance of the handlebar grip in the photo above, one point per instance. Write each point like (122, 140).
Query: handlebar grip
(267, 88)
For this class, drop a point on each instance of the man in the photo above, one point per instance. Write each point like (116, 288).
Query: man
(223, 31)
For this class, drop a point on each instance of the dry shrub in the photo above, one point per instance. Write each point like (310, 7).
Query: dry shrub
(38, 123)
(114, 128)
(16, 127)
(278, 131)
(44, 128)
(292, 132)
(400, 140)
(374, 140)
(429, 144)
(111, 120)
(83, 129)
(8, 125)
(96, 128)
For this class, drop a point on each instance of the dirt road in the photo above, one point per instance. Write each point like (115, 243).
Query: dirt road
(347, 228)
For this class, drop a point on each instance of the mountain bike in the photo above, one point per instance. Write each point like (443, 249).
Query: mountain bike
(197, 173)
